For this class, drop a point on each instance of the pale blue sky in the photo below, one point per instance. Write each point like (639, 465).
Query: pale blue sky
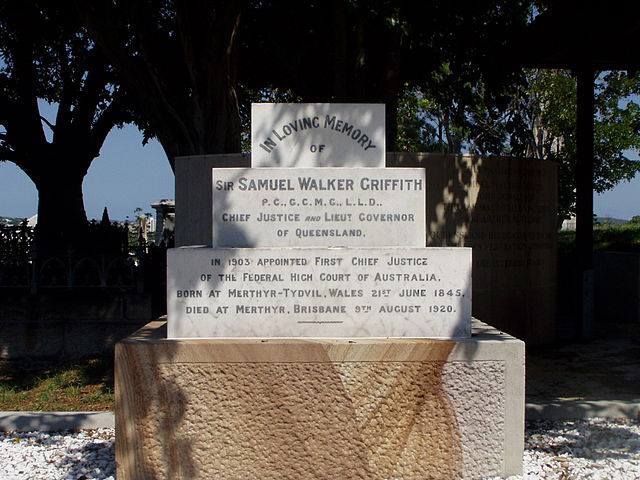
(127, 175)
(124, 177)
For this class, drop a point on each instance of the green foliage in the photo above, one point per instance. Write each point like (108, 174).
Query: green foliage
(433, 122)
(415, 132)
(551, 116)
(607, 237)
(535, 118)
(635, 219)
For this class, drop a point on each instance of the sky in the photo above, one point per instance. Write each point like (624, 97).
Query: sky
(124, 177)
(127, 176)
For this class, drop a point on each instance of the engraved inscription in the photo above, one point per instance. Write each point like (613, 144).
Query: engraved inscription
(321, 292)
(318, 207)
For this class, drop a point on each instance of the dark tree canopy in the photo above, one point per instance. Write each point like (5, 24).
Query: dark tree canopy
(193, 67)
(47, 55)
(368, 51)
(191, 63)
(178, 58)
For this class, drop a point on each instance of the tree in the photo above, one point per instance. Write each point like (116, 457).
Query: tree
(178, 58)
(538, 120)
(370, 51)
(471, 123)
(190, 63)
(550, 113)
(47, 55)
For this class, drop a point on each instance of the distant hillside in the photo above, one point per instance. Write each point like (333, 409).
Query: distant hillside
(611, 221)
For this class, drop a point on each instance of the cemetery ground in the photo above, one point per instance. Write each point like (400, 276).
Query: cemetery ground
(593, 449)
(570, 371)
(79, 385)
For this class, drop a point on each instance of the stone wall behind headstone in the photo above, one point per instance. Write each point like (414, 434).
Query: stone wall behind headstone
(503, 207)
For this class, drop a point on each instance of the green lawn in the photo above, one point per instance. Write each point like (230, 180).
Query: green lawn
(621, 238)
(64, 386)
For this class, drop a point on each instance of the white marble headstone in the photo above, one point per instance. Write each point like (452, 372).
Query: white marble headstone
(322, 207)
(317, 135)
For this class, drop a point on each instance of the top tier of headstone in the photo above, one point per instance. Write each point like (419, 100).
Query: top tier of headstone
(317, 135)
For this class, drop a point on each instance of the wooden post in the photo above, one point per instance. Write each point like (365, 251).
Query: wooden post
(584, 200)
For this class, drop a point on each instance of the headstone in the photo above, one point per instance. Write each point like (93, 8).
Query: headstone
(317, 135)
(283, 207)
(239, 354)
(319, 252)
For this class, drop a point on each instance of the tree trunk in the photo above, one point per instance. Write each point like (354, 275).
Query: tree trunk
(62, 220)
(392, 87)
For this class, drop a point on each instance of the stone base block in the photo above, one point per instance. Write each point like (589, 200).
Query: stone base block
(314, 408)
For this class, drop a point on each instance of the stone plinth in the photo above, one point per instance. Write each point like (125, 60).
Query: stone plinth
(313, 408)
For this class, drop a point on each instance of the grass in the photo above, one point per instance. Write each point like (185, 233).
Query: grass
(606, 237)
(65, 386)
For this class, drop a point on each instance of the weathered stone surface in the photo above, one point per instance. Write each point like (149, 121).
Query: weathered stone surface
(317, 135)
(320, 207)
(319, 292)
(297, 409)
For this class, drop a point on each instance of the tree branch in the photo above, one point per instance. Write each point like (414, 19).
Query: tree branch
(113, 115)
(49, 124)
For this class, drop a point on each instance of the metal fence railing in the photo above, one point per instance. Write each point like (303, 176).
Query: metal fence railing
(121, 267)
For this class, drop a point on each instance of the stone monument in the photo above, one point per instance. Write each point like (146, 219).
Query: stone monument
(318, 336)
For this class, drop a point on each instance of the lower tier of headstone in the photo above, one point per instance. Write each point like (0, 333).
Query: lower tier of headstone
(307, 409)
(319, 292)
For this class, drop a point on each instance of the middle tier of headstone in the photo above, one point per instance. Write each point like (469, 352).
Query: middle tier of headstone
(320, 207)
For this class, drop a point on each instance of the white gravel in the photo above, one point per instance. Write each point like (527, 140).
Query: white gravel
(595, 449)
(88, 454)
